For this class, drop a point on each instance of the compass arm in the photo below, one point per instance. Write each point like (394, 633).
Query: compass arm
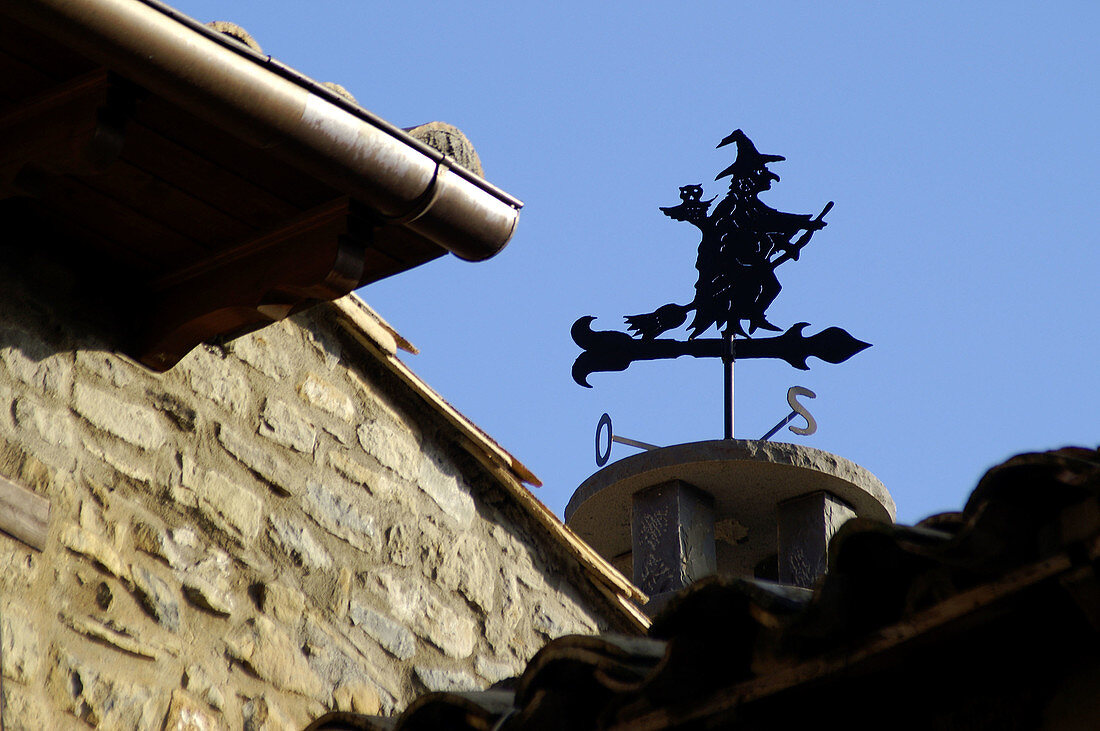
(609, 350)
(832, 345)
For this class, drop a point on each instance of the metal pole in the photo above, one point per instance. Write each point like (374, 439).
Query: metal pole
(634, 443)
(727, 368)
(787, 420)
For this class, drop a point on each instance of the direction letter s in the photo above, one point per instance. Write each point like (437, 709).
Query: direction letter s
(792, 398)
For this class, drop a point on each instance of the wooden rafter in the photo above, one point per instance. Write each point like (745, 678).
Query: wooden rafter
(313, 257)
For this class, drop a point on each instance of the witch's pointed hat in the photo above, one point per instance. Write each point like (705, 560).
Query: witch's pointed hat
(748, 157)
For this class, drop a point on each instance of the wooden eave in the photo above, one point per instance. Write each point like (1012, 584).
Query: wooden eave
(186, 232)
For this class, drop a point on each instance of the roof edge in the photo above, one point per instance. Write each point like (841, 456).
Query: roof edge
(371, 332)
(267, 104)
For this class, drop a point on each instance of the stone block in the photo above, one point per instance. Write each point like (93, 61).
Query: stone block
(261, 460)
(342, 433)
(199, 682)
(210, 377)
(289, 427)
(259, 350)
(20, 645)
(89, 693)
(298, 543)
(549, 622)
(501, 626)
(124, 460)
(204, 573)
(357, 698)
(96, 548)
(180, 547)
(441, 680)
(225, 503)
(321, 340)
(264, 714)
(403, 544)
(342, 654)
(806, 524)
(495, 670)
(284, 603)
(357, 472)
(672, 536)
(339, 595)
(185, 713)
(341, 517)
(452, 631)
(132, 423)
(392, 636)
(185, 497)
(156, 597)
(556, 615)
(176, 409)
(271, 654)
(32, 361)
(393, 445)
(208, 584)
(109, 368)
(442, 482)
(52, 426)
(24, 711)
(523, 568)
(259, 560)
(464, 566)
(90, 517)
(508, 543)
(112, 635)
(323, 395)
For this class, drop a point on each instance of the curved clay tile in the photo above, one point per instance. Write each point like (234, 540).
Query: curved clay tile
(235, 32)
(449, 140)
(339, 89)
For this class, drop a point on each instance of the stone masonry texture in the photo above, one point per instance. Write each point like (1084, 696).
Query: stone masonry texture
(275, 528)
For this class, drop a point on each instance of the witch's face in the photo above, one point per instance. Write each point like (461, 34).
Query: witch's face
(759, 180)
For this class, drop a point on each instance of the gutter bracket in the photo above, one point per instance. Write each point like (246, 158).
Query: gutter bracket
(423, 202)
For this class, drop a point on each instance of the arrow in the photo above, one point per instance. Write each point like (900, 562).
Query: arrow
(610, 350)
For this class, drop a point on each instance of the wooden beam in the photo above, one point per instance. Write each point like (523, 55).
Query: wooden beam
(23, 514)
(256, 165)
(72, 127)
(332, 215)
(315, 257)
(203, 178)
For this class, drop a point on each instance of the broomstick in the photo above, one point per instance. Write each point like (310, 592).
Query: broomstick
(804, 239)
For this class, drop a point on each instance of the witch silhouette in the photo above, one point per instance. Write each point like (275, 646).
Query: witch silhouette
(743, 241)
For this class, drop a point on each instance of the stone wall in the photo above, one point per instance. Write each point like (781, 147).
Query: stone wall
(272, 529)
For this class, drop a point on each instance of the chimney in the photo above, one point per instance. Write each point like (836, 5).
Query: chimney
(670, 516)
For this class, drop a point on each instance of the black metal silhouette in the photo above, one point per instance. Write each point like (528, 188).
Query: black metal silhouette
(610, 350)
(743, 242)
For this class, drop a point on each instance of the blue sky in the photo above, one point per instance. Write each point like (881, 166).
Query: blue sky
(958, 140)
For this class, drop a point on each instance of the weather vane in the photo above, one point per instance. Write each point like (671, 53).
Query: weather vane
(743, 243)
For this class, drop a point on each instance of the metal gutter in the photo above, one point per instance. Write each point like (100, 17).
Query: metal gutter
(321, 90)
(269, 105)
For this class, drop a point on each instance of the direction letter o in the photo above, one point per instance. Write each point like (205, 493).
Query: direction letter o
(602, 457)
